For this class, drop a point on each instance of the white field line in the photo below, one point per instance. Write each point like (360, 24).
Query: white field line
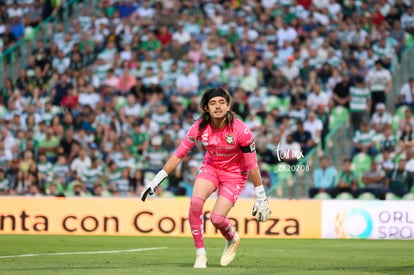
(84, 252)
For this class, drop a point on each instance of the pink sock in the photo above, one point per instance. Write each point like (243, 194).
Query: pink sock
(195, 217)
(223, 224)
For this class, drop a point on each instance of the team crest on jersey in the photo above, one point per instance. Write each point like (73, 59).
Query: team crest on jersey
(229, 139)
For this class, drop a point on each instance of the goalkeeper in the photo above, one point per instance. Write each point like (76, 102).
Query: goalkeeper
(229, 160)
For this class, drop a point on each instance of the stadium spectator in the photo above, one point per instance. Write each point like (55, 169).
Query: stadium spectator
(399, 181)
(303, 137)
(187, 83)
(409, 166)
(406, 140)
(385, 161)
(317, 97)
(4, 183)
(388, 142)
(80, 163)
(347, 179)
(314, 126)
(373, 181)
(324, 178)
(155, 155)
(363, 141)
(380, 83)
(380, 119)
(406, 96)
(407, 119)
(341, 92)
(360, 102)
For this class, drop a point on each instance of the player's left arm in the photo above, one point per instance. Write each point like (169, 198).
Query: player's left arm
(261, 207)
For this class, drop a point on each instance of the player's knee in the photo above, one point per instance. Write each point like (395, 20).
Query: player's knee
(196, 204)
(217, 220)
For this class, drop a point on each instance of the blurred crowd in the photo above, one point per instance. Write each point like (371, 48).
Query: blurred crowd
(100, 107)
(18, 17)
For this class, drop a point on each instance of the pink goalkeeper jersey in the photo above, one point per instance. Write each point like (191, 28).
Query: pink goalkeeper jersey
(223, 146)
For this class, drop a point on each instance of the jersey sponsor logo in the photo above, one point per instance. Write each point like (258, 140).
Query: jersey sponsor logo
(204, 139)
(221, 154)
(229, 139)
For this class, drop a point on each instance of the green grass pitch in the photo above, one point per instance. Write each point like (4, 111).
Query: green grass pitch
(254, 256)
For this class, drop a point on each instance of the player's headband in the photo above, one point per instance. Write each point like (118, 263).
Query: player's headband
(217, 92)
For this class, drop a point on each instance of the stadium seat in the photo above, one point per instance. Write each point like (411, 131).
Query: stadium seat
(400, 111)
(409, 197)
(378, 138)
(391, 197)
(274, 102)
(397, 158)
(120, 102)
(322, 196)
(185, 102)
(29, 33)
(345, 196)
(223, 76)
(259, 118)
(338, 115)
(341, 112)
(409, 40)
(366, 196)
(3, 110)
(395, 123)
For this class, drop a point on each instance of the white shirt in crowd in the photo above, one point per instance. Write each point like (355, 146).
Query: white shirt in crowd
(381, 120)
(145, 12)
(314, 100)
(91, 99)
(407, 92)
(181, 37)
(288, 34)
(314, 127)
(409, 166)
(407, 20)
(186, 81)
(61, 64)
(134, 110)
(290, 72)
(378, 79)
(79, 166)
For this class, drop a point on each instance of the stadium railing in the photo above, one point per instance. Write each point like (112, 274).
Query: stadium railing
(407, 66)
(16, 56)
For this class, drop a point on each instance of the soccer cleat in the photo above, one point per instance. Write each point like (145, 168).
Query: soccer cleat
(201, 261)
(230, 250)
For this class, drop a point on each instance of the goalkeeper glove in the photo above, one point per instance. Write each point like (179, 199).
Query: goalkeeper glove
(149, 188)
(261, 208)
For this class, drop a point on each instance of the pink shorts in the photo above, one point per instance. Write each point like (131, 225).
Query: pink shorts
(230, 184)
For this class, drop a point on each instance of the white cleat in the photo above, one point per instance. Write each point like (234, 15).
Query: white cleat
(230, 250)
(201, 261)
